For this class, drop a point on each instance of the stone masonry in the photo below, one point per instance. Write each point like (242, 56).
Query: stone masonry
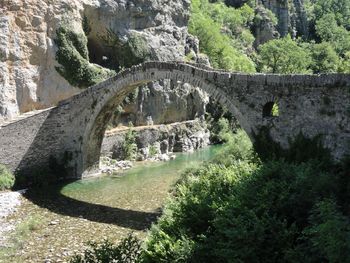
(72, 133)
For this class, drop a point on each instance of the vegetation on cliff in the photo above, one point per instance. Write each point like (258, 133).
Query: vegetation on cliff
(73, 56)
(224, 49)
(124, 54)
(226, 36)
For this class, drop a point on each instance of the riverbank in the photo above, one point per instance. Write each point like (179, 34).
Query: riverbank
(153, 143)
(60, 220)
(156, 141)
(9, 202)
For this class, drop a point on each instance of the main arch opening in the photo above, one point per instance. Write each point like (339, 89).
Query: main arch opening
(154, 120)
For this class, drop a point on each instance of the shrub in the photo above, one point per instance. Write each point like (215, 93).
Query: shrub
(127, 251)
(240, 210)
(153, 150)
(301, 149)
(328, 235)
(239, 148)
(220, 131)
(188, 217)
(29, 225)
(249, 213)
(129, 147)
(7, 179)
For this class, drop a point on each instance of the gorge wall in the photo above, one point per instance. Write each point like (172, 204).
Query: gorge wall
(161, 139)
(291, 15)
(28, 76)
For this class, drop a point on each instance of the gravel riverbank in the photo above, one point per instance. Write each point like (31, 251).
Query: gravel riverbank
(9, 201)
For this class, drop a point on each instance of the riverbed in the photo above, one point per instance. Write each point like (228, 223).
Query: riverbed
(54, 223)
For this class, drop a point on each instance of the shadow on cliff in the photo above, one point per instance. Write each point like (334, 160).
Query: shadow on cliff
(52, 199)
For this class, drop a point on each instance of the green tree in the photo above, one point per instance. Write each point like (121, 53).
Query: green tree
(328, 30)
(324, 58)
(220, 47)
(339, 8)
(129, 146)
(284, 56)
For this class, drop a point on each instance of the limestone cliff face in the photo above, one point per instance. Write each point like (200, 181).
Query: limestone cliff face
(28, 78)
(291, 15)
(163, 102)
(292, 18)
(264, 29)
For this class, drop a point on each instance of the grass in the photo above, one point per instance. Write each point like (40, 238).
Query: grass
(19, 236)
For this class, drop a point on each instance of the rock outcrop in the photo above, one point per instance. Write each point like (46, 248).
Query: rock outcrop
(264, 28)
(163, 102)
(28, 78)
(292, 18)
(291, 15)
(159, 140)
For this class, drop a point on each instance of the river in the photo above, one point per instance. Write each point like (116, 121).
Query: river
(55, 223)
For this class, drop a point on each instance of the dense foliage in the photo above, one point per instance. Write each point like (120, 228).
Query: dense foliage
(124, 54)
(127, 251)
(220, 131)
(223, 49)
(284, 56)
(226, 36)
(239, 210)
(7, 179)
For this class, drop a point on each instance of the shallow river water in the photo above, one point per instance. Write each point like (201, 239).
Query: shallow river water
(66, 217)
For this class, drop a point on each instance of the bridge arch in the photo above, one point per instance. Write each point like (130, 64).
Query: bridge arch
(71, 133)
(110, 94)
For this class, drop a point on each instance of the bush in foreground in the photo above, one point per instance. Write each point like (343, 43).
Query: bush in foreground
(244, 211)
(127, 251)
(7, 179)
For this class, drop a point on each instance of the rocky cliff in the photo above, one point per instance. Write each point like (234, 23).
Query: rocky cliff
(291, 15)
(291, 18)
(28, 76)
(161, 139)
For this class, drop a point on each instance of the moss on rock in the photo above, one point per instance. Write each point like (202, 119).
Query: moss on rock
(73, 56)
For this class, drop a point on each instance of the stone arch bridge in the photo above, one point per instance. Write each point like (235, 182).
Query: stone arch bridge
(71, 134)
